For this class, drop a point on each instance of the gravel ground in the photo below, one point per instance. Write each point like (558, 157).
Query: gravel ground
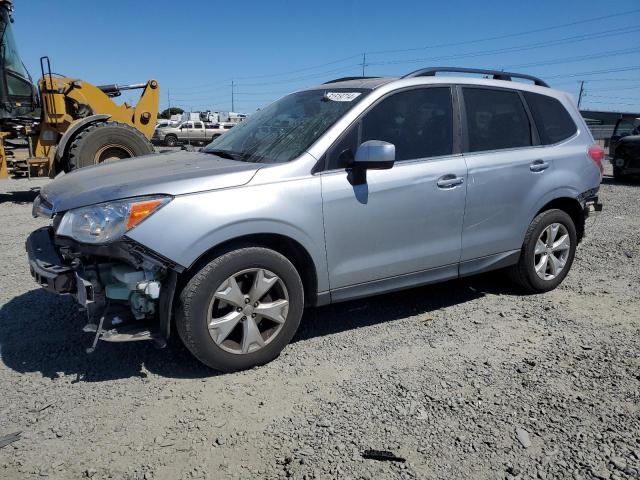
(465, 379)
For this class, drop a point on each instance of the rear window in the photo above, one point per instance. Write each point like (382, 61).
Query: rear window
(496, 119)
(552, 119)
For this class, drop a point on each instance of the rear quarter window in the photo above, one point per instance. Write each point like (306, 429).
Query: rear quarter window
(551, 118)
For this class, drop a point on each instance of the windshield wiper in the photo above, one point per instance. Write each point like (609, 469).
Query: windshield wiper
(226, 154)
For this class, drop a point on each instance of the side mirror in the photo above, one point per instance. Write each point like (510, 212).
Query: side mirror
(375, 155)
(371, 155)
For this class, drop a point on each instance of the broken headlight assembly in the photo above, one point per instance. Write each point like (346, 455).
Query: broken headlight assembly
(105, 222)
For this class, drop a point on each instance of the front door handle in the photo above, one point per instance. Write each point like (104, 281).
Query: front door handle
(449, 181)
(538, 165)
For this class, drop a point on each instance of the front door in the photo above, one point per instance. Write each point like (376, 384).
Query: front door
(405, 220)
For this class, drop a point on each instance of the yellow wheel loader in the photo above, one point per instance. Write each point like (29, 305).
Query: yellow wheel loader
(66, 123)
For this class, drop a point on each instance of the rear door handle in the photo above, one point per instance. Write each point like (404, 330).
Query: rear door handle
(449, 181)
(538, 165)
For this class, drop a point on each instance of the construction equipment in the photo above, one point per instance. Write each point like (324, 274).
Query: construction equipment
(67, 123)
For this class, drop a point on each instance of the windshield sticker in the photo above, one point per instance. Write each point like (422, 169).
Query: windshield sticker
(342, 96)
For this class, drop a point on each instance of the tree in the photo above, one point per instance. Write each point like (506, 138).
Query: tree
(167, 112)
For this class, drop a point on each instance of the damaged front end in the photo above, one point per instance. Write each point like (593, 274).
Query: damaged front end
(125, 289)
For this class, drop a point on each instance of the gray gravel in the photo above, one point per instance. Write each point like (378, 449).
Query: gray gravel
(465, 380)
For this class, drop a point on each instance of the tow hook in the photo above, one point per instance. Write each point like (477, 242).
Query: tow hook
(592, 206)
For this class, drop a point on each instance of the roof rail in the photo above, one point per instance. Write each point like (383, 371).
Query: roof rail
(496, 74)
(344, 79)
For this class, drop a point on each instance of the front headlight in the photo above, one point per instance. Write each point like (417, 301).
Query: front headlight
(105, 222)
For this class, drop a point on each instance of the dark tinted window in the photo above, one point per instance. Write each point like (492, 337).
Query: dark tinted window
(198, 125)
(418, 122)
(495, 119)
(552, 120)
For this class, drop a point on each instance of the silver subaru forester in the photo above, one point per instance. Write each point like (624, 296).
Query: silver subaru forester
(352, 188)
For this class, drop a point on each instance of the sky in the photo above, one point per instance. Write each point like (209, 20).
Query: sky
(197, 48)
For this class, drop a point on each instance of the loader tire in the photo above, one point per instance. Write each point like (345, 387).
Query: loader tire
(106, 142)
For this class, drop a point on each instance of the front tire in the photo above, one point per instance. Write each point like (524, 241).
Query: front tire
(547, 252)
(241, 309)
(617, 174)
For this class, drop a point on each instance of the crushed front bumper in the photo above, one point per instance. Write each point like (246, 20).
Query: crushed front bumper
(46, 265)
(62, 267)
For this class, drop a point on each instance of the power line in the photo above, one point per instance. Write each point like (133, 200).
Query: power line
(588, 96)
(565, 40)
(634, 87)
(443, 45)
(593, 56)
(519, 48)
(615, 103)
(508, 35)
(595, 72)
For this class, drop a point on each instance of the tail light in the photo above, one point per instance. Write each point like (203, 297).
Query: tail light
(596, 153)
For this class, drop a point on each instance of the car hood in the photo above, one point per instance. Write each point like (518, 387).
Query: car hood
(174, 173)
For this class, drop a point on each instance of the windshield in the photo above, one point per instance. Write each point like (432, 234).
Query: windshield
(10, 55)
(283, 130)
(16, 77)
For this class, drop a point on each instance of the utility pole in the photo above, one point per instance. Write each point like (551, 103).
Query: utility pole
(232, 100)
(581, 92)
(364, 62)
(169, 102)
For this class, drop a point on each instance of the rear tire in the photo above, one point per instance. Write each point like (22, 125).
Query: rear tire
(243, 338)
(536, 271)
(617, 174)
(107, 141)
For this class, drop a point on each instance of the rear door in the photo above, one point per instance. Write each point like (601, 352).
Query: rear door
(506, 172)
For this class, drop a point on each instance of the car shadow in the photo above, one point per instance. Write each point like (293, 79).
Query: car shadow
(609, 180)
(20, 197)
(398, 305)
(42, 332)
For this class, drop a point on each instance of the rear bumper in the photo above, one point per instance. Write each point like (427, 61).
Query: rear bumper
(46, 265)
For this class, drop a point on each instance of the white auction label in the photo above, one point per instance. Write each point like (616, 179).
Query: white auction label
(342, 96)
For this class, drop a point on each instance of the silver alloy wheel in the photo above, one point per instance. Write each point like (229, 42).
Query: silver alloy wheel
(552, 251)
(248, 310)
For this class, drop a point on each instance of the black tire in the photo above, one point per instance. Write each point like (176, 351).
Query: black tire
(170, 140)
(617, 174)
(106, 141)
(193, 308)
(524, 273)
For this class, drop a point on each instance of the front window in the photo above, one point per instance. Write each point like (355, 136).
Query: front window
(283, 130)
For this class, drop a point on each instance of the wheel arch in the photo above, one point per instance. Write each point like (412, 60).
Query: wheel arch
(571, 207)
(290, 248)
(62, 149)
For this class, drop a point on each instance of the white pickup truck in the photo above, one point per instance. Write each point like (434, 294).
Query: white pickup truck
(190, 132)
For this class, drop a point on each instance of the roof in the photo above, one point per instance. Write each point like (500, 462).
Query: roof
(430, 73)
(357, 82)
